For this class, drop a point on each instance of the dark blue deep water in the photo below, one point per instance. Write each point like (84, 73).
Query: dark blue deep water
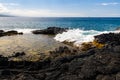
(86, 23)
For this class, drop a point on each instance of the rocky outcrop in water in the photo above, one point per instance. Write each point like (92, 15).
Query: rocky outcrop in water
(50, 30)
(9, 33)
(118, 28)
(92, 64)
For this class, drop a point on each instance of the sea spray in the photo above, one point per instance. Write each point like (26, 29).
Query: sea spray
(78, 36)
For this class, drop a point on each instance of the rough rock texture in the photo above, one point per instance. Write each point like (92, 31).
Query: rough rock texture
(18, 54)
(9, 33)
(108, 38)
(50, 30)
(93, 64)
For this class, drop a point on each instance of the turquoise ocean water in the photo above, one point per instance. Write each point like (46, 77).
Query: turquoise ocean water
(86, 23)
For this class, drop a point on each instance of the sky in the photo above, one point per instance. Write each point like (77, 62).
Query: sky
(61, 8)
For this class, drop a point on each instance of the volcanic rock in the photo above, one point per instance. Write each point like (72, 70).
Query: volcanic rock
(50, 30)
(9, 33)
(92, 64)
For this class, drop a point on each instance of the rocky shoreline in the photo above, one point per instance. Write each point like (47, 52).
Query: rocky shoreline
(50, 31)
(9, 33)
(69, 64)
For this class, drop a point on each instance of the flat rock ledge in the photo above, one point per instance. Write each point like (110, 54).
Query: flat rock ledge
(50, 30)
(9, 33)
(92, 64)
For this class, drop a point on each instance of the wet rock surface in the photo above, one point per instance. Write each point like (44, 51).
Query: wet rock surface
(50, 30)
(92, 64)
(9, 33)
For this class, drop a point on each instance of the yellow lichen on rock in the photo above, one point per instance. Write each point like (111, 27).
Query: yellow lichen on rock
(86, 46)
(98, 45)
(16, 59)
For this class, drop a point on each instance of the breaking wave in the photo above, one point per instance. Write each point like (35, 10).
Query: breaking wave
(78, 36)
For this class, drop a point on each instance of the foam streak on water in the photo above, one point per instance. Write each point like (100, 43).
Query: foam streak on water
(79, 36)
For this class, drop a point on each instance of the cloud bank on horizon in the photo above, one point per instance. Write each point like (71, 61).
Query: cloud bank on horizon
(106, 4)
(61, 8)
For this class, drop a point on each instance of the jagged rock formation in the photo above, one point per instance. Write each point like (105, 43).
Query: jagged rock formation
(92, 64)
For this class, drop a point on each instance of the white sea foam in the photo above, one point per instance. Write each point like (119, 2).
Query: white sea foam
(25, 31)
(79, 36)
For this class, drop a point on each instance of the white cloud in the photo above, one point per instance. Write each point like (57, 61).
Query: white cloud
(10, 4)
(29, 13)
(8, 8)
(106, 4)
(3, 9)
(42, 13)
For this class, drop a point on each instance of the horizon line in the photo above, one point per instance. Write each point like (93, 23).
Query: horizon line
(64, 16)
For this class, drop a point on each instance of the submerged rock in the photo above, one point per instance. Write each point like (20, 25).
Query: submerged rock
(118, 28)
(50, 30)
(18, 54)
(62, 51)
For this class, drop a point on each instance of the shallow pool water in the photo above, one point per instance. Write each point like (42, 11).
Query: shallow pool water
(29, 43)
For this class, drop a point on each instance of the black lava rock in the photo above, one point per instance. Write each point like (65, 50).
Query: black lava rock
(9, 33)
(50, 30)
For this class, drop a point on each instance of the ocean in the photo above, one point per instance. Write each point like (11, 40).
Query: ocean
(81, 29)
(84, 23)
